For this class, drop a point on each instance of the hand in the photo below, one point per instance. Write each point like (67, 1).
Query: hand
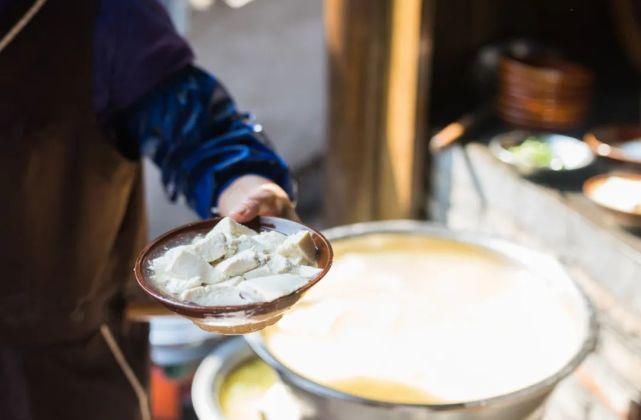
(252, 195)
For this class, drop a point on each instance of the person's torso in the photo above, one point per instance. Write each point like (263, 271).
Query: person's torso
(73, 217)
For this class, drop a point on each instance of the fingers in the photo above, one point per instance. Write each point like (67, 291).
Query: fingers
(264, 203)
(246, 212)
(251, 196)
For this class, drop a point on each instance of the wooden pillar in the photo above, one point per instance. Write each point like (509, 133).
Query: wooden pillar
(378, 75)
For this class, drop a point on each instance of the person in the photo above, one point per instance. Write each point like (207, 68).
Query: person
(88, 87)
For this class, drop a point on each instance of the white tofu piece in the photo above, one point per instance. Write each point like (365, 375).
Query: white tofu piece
(193, 294)
(245, 242)
(212, 247)
(261, 271)
(278, 264)
(306, 271)
(177, 286)
(269, 240)
(181, 264)
(232, 282)
(223, 293)
(214, 296)
(185, 264)
(249, 295)
(299, 247)
(223, 297)
(231, 228)
(238, 244)
(239, 263)
(274, 286)
(161, 263)
(213, 276)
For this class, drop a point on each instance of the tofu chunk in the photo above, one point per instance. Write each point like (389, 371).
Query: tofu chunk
(245, 242)
(299, 247)
(198, 292)
(278, 264)
(239, 263)
(306, 271)
(211, 248)
(231, 228)
(260, 271)
(274, 286)
(269, 241)
(177, 286)
(185, 264)
(161, 263)
(214, 296)
(193, 294)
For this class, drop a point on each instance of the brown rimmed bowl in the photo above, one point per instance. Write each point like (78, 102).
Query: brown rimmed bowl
(627, 219)
(618, 143)
(232, 319)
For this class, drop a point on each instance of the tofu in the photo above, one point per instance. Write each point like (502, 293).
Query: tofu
(214, 296)
(238, 244)
(249, 295)
(185, 264)
(233, 265)
(245, 242)
(230, 228)
(278, 264)
(211, 248)
(177, 286)
(199, 293)
(234, 281)
(193, 294)
(299, 247)
(306, 271)
(239, 263)
(274, 286)
(269, 241)
(275, 265)
(161, 263)
(213, 276)
(260, 271)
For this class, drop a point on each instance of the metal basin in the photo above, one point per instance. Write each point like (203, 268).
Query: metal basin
(321, 402)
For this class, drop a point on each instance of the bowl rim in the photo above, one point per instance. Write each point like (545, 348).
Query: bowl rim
(594, 181)
(498, 149)
(414, 227)
(610, 149)
(211, 373)
(201, 311)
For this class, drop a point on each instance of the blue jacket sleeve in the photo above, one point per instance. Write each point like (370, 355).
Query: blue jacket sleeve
(190, 127)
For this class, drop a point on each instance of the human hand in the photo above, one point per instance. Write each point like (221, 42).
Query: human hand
(252, 195)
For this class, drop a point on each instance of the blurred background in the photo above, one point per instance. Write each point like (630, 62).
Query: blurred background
(521, 119)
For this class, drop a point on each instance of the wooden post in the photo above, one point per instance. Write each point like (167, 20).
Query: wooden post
(378, 75)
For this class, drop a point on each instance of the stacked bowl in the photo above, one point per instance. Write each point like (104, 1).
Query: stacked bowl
(543, 92)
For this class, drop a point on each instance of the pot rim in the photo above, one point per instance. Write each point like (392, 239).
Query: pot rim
(211, 373)
(502, 247)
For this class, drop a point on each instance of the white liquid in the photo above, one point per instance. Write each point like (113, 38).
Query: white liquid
(447, 321)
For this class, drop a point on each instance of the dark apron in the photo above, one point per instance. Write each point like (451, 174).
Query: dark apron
(71, 223)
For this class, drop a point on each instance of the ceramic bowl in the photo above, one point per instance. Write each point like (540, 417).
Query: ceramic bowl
(233, 319)
(573, 153)
(631, 219)
(618, 143)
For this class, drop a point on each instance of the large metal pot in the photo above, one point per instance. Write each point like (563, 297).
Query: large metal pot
(320, 402)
